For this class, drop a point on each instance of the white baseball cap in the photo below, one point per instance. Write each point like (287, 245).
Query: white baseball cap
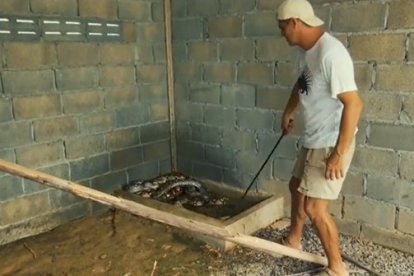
(300, 9)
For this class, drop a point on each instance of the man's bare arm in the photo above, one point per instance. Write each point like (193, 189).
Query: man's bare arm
(289, 112)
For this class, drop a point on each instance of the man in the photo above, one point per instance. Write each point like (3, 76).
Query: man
(327, 96)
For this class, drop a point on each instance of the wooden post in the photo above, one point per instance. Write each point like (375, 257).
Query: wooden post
(170, 82)
(160, 216)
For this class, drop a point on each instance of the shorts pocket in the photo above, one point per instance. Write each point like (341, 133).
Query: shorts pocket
(317, 157)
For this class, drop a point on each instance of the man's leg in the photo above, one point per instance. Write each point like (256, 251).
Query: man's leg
(317, 210)
(297, 214)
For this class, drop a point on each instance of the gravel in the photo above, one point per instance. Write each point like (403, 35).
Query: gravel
(385, 261)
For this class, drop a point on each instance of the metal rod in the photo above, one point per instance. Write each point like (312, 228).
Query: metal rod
(264, 163)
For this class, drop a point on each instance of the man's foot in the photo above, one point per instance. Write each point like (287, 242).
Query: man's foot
(287, 243)
(330, 272)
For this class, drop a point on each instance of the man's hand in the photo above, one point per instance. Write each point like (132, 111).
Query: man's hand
(287, 124)
(334, 169)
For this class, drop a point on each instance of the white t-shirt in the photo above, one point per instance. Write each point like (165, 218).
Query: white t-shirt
(326, 71)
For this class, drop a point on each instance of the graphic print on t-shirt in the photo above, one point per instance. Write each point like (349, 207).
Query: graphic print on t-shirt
(305, 81)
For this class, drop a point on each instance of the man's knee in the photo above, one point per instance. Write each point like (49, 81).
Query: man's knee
(316, 208)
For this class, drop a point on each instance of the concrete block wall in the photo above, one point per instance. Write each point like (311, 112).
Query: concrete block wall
(92, 112)
(233, 75)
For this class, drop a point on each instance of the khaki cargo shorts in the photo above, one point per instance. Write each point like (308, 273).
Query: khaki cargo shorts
(310, 168)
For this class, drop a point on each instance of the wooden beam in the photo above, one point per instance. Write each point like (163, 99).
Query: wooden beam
(135, 208)
(170, 82)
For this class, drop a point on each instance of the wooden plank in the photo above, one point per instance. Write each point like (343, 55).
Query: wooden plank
(132, 207)
(170, 82)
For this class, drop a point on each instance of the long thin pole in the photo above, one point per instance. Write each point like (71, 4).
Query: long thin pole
(263, 165)
(170, 81)
(157, 215)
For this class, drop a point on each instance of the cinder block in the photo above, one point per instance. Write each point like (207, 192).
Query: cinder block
(89, 167)
(394, 78)
(160, 53)
(249, 163)
(364, 77)
(238, 95)
(366, 17)
(205, 134)
(129, 32)
(220, 156)
(220, 72)
(287, 148)
(189, 112)
(134, 10)
(15, 134)
(390, 239)
(151, 73)
(185, 71)
(202, 51)
(83, 146)
(15, 6)
(348, 227)
(77, 78)
(274, 97)
(179, 8)
(261, 24)
(144, 53)
(395, 137)
(67, 8)
(131, 115)
(35, 82)
(405, 221)
(236, 7)
(187, 28)
(156, 151)
(23, 208)
(210, 172)
(77, 54)
(156, 92)
(5, 110)
(399, 16)
(60, 170)
(202, 7)
(381, 106)
(8, 155)
(117, 76)
(229, 26)
(84, 101)
(120, 96)
(190, 150)
(110, 182)
(107, 9)
(155, 132)
(60, 199)
(158, 112)
(407, 194)
(237, 49)
(96, 122)
(157, 11)
(255, 119)
(272, 5)
(375, 161)
(150, 32)
(28, 55)
(282, 168)
(270, 49)
(40, 155)
(406, 165)
(117, 54)
(11, 187)
(205, 93)
(366, 47)
(286, 73)
(46, 105)
(353, 184)
(122, 138)
(55, 128)
(239, 140)
(221, 116)
(255, 73)
(384, 189)
(380, 214)
(144, 171)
